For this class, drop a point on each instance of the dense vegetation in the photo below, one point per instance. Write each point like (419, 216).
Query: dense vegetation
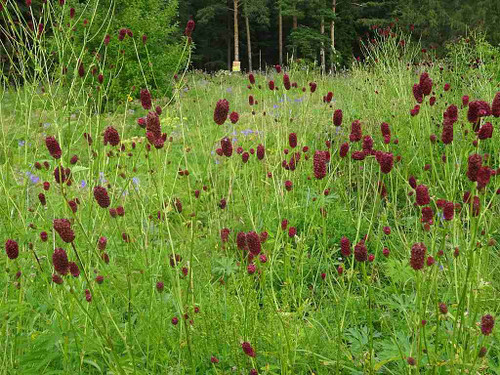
(279, 222)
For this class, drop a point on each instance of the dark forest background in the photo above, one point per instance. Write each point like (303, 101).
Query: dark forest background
(434, 22)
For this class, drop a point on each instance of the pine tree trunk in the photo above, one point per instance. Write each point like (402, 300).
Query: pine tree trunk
(249, 44)
(294, 22)
(280, 36)
(236, 33)
(322, 52)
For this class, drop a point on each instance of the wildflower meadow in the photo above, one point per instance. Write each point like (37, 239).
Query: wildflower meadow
(280, 221)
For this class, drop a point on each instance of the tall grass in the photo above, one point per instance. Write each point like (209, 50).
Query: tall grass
(304, 307)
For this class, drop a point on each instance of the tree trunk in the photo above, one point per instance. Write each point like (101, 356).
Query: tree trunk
(322, 52)
(228, 37)
(236, 34)
(280, 36)
(294, 22)
(249, 44)
(332, 32)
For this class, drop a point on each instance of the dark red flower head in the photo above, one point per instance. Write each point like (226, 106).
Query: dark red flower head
(356, 132)
(448, 211)
(73, 269)
(345, 247)
(412, 181)
(111, 136)
(422, 193)
(101, 244)
(42, 199)
(60, 261)
(241, 240)
(425, 84)
(153, 126)
(63, 228)
(417, 259)
(344, 149)
(12, 249)
(451, 114)
(367, 144)
(271, 85)
(247, 349)
(312, 86)
(495, 105)
(292, 140)
(57, 279)
(447, 133)
(478, 109)
(487, 324)
(386, 161)
(483, 176)
(226, 146)
(329, 97)
(101, 196)
(360, 251)
(224, 234)
(427, 215)
(385, 130)
(319, 164)
(81, 69)
(260, 152)
(234, 117)
(146, 99)
(337, 117)
(62, 175)
(221, 111)
(474, 164)
(286, 81)
(188, 31)
(253, 243)
(53, 147)
(251, 78)
(417, 93)
(485, 131)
